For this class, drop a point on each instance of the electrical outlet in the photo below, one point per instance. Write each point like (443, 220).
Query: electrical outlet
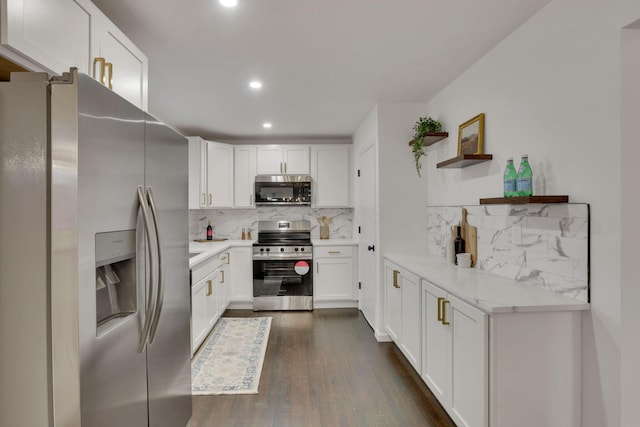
(515, 234)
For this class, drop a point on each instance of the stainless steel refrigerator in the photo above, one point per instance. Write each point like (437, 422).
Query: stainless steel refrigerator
(94, 276)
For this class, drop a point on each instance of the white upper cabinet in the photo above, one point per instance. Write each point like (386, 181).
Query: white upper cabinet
(244, 176)
(330, 174)
(127, 74)
(219, 175)
(52, 34)
(44, 35)
(210, 174)
(283, 159)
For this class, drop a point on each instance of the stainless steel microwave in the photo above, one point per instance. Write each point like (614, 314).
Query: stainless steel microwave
(283, 190)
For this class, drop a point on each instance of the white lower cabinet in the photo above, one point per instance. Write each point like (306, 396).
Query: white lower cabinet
(402, 312)
(241, 276)
(455, 355)
(334, 282)
(210, 296)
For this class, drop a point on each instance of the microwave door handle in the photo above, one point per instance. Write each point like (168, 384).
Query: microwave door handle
(160, 295)
(149, 309)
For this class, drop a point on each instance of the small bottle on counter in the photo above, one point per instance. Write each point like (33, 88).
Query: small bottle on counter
(524, 183)
(209, 231)
(450, 249)
(249, 234)
(458, 243)
(243, 235)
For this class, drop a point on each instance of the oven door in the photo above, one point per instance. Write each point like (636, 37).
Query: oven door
(282, 278)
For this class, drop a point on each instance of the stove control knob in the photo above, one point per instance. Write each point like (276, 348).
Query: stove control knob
(268, 250)
(261, 249)
(302, 249)
(297, 249)
(281, 249)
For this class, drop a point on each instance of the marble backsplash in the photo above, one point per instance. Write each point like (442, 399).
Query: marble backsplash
(228, 223)
(543, 245)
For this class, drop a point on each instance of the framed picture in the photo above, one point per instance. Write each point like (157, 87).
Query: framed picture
(470, 136)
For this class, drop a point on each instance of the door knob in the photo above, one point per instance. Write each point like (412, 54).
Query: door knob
(371, 248)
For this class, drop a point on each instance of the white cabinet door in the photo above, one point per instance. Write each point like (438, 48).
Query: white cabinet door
(411, 341)
(435, 367)
(281, 159)
(296, 160)
(455, 356)
(331, 177)
(129, 66)
(241, 267)
(244, 176)
(199, 321)
(468, 331)
(52, 34)
(333, 279)
(212, 307)
(197, 190)
(393, 302)
(219, 175)
(269, 160)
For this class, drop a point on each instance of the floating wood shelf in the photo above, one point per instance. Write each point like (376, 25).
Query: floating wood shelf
(431, 138)
(465, 160)
(524, 199)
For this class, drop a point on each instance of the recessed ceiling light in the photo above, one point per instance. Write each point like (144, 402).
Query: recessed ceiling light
(255, 84)
(228, 3)
(267, 125)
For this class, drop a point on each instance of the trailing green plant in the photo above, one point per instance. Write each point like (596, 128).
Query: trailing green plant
(423, 126)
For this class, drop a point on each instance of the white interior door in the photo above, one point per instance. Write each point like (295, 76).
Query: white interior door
(367, 246)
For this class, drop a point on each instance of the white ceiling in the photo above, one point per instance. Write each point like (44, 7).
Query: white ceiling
(323, 63)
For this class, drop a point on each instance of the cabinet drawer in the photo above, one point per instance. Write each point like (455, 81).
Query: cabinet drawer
(332, 251)
(206, 267)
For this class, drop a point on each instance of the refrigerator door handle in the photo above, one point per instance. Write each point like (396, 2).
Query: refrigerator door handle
(149, 310)
(160, 295)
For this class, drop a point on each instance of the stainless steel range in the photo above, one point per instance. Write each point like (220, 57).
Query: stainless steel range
(282, 260)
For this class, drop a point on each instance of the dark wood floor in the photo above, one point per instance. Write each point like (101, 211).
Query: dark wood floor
(325, 368)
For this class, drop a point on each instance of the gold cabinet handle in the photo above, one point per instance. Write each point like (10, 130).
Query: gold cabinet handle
(222, 281)
(280, 167)
(209, 287)
(395, 279)
(318, 267)
(334, 252)
(250, 199)
(99, 60)
(285, 167)
(444, 312)
(109, 67)
(440, 299)
(204, 199)
(210, 199)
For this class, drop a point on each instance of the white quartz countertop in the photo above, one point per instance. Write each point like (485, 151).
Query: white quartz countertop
(209, 249)
(333, 242)
(491, 294)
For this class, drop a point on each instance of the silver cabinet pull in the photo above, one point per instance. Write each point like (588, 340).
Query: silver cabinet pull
(149, 309)
(160, 295)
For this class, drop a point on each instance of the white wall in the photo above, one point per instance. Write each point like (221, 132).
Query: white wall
(630, 292)
(401, 202)
(552, 90)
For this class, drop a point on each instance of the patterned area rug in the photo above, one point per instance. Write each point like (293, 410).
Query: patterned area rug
(230, 361)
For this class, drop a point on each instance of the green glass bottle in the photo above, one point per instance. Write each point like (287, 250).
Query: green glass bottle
(510, 178)
(524, 182)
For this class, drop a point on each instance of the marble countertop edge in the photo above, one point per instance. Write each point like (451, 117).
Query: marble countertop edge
(489, 293)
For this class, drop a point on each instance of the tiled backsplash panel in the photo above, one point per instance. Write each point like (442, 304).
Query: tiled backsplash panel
(543, 245)
(229, 222)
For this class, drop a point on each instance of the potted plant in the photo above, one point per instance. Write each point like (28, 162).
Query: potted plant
(423, 126)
